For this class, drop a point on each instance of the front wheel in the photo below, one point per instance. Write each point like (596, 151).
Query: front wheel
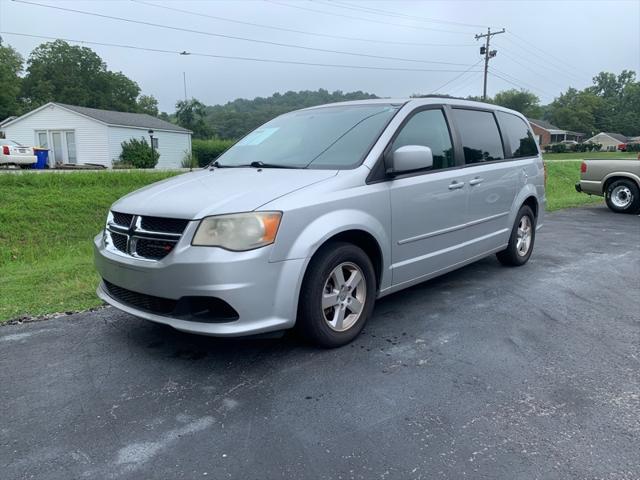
(337, 296)
(623, 196)
(523, 236)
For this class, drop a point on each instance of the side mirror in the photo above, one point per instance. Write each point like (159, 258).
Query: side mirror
(411, 157)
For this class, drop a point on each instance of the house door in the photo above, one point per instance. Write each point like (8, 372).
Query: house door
(63, 147)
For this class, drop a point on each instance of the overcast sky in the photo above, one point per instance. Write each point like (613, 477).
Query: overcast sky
(549, 45)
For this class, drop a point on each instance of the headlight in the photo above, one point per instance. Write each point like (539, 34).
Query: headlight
(238, 231)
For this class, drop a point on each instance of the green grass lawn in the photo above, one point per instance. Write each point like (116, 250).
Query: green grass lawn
(583, 155)
(561, 180)
(48, 221)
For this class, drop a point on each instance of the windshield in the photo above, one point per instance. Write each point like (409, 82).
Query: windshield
(325, 138)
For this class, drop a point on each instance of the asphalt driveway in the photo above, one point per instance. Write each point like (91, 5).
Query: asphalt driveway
(487, 372)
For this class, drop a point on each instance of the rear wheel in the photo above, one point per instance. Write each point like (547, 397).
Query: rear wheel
(337, 296)
(523, 236)
(623, 196)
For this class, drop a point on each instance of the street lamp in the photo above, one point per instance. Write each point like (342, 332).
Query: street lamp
(153, 152)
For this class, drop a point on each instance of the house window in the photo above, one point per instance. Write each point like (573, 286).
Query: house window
(154, 142)
(42, 139)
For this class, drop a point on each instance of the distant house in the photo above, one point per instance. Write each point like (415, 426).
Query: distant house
(609, 141)
(88, 135)
(548, 133)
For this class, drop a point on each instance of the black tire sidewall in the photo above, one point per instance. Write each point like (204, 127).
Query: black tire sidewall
(310, 320)
(633, 206)
(510, 256)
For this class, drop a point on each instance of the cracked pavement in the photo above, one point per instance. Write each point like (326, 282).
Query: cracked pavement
(487, 372)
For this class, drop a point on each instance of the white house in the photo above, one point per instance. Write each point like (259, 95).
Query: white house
(89, 135)
(609, 141)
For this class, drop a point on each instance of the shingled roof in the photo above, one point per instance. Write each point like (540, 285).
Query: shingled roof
(124, 119)
(544, 124)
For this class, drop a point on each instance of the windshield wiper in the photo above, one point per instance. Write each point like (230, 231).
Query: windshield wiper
(260, 164)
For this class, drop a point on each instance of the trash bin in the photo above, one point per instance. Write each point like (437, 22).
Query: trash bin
(42, 156)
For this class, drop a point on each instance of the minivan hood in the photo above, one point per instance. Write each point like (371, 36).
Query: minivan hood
(217, 191)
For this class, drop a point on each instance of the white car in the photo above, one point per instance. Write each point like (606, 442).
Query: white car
(13, 152)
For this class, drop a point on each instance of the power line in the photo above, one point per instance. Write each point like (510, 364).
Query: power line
(548, 63)
(561, 61)
(302, 32)
(379, 11)
(233, 37)
(472, 78)
(324, 12)
(231, 57)
(500, 74)
(531, 69)
(456, 77)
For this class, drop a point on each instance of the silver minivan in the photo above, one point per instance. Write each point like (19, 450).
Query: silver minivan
(312, 216)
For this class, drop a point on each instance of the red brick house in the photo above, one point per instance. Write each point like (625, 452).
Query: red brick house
(547, 133)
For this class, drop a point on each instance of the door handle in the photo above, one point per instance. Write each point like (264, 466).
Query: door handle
(476, 181)
(455, 185)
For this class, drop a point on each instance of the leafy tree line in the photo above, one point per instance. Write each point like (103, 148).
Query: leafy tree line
(59, 72)
(611, 104)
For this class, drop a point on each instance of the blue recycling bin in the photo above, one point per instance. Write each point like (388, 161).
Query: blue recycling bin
(42, 156)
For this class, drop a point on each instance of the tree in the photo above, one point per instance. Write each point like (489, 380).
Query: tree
(236, 118)
(521, 101)
(611, 104)
(59, 72)
(191, 115)
(10, 82)
(148, 104)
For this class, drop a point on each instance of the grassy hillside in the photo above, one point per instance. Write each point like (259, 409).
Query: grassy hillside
(48, 223)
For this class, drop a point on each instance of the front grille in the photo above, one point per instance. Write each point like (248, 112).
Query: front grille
(147, 237)
(155, 249)
(122, 219)
(159, 224)
(140, 300)
(119, 241)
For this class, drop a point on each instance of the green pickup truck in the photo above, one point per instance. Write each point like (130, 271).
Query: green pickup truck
(617, 180)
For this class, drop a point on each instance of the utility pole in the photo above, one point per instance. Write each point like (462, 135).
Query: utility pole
(184, 82)
(488, 54)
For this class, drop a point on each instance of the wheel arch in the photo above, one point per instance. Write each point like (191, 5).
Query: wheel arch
(362, 239)
(612, 177)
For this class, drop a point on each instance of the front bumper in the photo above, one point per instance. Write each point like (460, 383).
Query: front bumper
(264, 293)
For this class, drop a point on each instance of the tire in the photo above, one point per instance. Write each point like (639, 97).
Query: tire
(523, 236)
(347, 306)
(623, 196)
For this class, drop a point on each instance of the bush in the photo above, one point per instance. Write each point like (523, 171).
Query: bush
(206, 151)
(189, 160)
(633, 147)
(138, 154)
(558, 148)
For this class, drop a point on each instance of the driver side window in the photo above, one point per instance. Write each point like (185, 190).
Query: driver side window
(428, 128)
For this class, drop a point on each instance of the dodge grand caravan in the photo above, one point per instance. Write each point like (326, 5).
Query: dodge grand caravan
(312, 216)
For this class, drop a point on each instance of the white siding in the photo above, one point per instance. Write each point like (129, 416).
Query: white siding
(172, 145)
(608, 143)
(91, 136)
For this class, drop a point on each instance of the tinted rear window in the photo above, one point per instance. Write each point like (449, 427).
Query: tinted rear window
(479, 135)
(521, 141)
